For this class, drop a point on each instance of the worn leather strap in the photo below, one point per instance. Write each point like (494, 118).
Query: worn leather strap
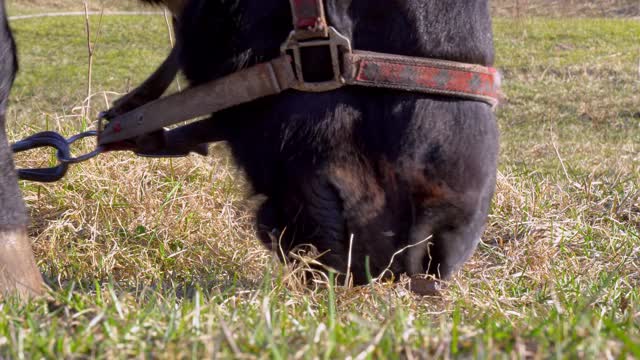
(265, 79)
(361, 68)
(429, 76)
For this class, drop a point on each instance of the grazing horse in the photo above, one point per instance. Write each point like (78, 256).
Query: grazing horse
(408, 176)
(18, 271)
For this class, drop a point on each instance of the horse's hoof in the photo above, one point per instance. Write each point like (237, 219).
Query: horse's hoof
(19, 274)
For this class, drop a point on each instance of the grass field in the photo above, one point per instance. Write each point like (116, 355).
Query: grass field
(563, 8)
(157, 258)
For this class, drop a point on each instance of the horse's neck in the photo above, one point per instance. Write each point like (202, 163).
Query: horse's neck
(457, 30)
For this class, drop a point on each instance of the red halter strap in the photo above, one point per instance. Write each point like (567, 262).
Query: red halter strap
(431, 76)
(309, 20)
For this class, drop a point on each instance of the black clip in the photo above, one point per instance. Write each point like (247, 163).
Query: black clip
(58, 142)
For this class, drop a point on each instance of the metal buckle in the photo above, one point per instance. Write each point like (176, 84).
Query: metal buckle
(338, 45)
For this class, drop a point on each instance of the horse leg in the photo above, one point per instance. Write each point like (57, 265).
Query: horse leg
(18, 271)
(150, 90)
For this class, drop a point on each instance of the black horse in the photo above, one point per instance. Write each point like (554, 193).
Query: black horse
(391, 169)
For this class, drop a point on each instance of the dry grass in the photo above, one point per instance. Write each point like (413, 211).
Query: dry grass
(566, 8)
(157, 258)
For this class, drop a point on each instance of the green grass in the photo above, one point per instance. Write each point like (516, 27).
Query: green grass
(27, 7)
(158, 258)
(127, 49)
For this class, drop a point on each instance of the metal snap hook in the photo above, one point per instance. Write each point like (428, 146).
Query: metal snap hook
(81, 158)
(63, 147)
(44, 139)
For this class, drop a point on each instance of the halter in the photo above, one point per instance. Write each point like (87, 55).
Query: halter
(311, 29)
